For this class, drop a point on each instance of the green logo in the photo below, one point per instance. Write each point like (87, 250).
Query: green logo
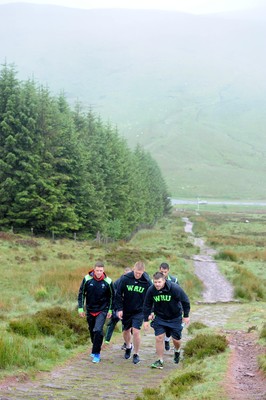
(162, 297)
(133, 288)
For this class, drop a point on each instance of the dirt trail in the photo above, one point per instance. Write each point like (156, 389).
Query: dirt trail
(117, 378)
(244, 381)
(217, 288)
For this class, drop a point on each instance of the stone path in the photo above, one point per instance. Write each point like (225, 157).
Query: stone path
(217, 288)
(113, 378)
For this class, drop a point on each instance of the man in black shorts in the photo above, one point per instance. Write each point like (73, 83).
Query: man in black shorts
(165, 269)
(114, 319)
(129, 305)
(167, 306)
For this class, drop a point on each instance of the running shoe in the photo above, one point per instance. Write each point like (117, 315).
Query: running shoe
(157, 364)
(124, 346)
(128, 353)
(176, 357)
(136, 358)
(96, 359)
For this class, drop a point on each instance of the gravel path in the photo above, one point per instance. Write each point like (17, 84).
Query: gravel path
(244, 381)
(217, 288)
(113, 378)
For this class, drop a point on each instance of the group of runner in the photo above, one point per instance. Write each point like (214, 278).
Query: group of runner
(134, 299)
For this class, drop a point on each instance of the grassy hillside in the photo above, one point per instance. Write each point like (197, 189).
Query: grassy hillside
(39, 326)
(190, 89)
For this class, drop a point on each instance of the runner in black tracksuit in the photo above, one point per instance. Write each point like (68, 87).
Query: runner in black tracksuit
(129, 305)
(96, 290)
(167, 305)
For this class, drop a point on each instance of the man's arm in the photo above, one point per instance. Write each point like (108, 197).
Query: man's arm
(148, 304)
(112, 293)
(81, 298)
(185, 303)
(118, 302)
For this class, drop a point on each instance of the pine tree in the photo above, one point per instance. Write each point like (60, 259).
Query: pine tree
(9, 127)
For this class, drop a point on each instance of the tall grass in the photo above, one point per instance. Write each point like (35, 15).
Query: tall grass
(15, 352)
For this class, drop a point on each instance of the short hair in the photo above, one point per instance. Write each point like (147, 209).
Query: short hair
(158, 275)
(164, 265)
(99, 264)
(127, 269)
(139, 266)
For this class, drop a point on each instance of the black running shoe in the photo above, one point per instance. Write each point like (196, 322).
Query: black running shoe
(176, 357)
(128, 353)
(167, 345)
(136, 359)
(124, 346)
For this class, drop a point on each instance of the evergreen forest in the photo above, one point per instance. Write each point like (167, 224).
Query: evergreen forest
(64, 170)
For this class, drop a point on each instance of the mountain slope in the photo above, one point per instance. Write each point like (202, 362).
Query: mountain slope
(190, 89)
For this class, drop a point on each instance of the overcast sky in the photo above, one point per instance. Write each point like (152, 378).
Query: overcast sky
(190, 6)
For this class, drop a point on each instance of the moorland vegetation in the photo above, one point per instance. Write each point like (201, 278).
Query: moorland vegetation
(39, 324)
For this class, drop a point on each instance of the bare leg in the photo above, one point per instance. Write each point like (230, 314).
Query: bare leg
(159, 345)
(177, 344)
(127, 338)
(136, 340)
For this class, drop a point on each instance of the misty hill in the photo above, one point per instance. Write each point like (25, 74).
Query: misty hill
(190, 89)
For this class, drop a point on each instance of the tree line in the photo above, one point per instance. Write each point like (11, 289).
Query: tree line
(65, 170)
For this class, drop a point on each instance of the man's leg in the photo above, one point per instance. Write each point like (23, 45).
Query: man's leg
(177, 345)
(91, 322)
(167, 342)
(98, 333)
(159, 345)
(127, 338)
(136, 340)
(110, 328)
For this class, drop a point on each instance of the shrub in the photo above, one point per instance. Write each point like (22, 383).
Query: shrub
(150, 394)
(195, 326)
(62, 324)
(247, 285)
(40, 294)
(262, 362)
(25, 327)
(205, 345)
(227, 255)
(263, 332)
(184, 382)
(66, 326)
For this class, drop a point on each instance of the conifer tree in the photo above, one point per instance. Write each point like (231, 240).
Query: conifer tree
(9, 126)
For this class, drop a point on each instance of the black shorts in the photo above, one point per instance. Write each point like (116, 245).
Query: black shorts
(171, 327)
(132, 321)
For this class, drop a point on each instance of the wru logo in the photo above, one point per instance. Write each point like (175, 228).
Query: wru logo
(162, 297)
(132, 288)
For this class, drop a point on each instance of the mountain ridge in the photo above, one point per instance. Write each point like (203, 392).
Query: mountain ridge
(188, 88)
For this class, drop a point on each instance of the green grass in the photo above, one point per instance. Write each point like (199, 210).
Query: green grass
(50, 274)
